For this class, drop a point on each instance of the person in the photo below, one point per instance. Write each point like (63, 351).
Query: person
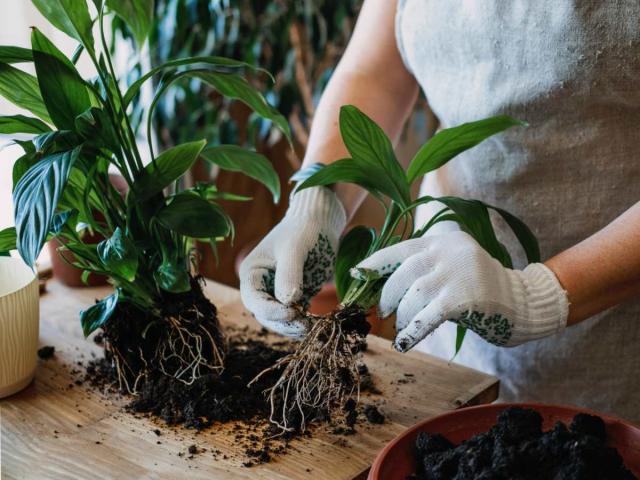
(570, 69)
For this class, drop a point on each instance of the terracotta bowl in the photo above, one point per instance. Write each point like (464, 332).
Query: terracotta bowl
(19, 325)
(397, 460)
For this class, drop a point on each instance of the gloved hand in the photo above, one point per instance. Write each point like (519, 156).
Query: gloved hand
(290, 265)
(451, 277)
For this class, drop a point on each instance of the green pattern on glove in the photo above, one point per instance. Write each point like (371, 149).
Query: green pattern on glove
(318, 268)
(494, 329)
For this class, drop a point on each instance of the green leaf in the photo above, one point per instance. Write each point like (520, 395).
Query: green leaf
(232, 85)
(59, 220)
(7, 240)
(35, 199)
(252, 164)
(523, 233)
(94, 125)
(69, 16)
(372, 151)
(353, 248)
(22, 124)
(220, 62)
(15, 54)
(22, 165)
(62, 88)
(190, 215)
(172, 277)
(97, 315)
(345, 170)
(449, 142)
(119, 255)
(137, 14)
(166, 169)
(22, 90)
(473, 217)
(460, 334)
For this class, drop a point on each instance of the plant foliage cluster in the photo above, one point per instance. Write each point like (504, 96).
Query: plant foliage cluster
(374, 167)
(298, 41)
(82, 130)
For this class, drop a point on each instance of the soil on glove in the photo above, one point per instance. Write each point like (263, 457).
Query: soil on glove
(517, 448)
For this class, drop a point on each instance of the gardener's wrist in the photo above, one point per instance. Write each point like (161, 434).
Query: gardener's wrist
(545, 302)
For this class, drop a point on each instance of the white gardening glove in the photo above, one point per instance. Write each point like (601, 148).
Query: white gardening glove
(451, 277)
(290, 265)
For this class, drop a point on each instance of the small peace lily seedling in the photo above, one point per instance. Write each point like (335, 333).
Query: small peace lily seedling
(157, 316)
(322, 373)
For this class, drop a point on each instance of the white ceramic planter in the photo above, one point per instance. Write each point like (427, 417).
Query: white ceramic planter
(19, 325)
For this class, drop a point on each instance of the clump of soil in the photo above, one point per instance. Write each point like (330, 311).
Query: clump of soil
(46, 352)
(322, 376)
(517, 448)
(183, 341)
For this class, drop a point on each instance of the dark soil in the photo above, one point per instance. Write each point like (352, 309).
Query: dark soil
(517, 448)
(46, 352)
(134, 339)
(218, 398)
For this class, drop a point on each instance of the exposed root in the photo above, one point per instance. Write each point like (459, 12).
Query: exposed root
(185, 342)
(321, 375)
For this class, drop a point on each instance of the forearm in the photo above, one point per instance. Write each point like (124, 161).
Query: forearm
(372, 77)
(602, 270)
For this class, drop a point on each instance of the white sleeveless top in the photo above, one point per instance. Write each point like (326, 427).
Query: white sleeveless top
(571, 68)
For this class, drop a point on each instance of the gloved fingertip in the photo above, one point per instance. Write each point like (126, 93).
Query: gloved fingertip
(403, 343)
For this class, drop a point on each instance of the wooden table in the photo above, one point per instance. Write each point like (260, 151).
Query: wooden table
(57, 430)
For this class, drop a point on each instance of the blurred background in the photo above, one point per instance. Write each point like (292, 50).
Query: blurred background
(299, 42)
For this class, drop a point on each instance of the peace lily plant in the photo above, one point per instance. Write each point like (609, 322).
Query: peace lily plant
(157, 316)
(323, 373)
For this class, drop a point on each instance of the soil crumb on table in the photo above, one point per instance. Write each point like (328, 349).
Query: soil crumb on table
(517, 448)
(46, 352)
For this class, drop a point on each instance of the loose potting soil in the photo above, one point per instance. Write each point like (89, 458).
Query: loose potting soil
(516, 448)
(220, 397)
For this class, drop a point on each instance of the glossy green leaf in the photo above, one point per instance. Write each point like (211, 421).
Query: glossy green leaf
(353, 248)
(22, 165)
(10, 54)
(63, 91)
(69, 16)
(137, 14)
(252, 164)
(35, 199)
(448, 143)
(94, 126)
(22, 124)
(523, 233)
(190, 215)
(166, 169)
(119, 255)
(220, 62)
(235, 86)
(474, 218)
(22, 90)
(461, 332)
(97, 315)
(172, 277)
(60, 219)
(372, 151)
(346, 171)
(7, 240)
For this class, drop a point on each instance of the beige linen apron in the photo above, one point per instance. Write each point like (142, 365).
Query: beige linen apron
(571, 68)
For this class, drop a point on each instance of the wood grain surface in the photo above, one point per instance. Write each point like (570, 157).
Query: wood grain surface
(55, 429)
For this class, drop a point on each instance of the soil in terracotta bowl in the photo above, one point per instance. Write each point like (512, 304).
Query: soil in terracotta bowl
(516, 447)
